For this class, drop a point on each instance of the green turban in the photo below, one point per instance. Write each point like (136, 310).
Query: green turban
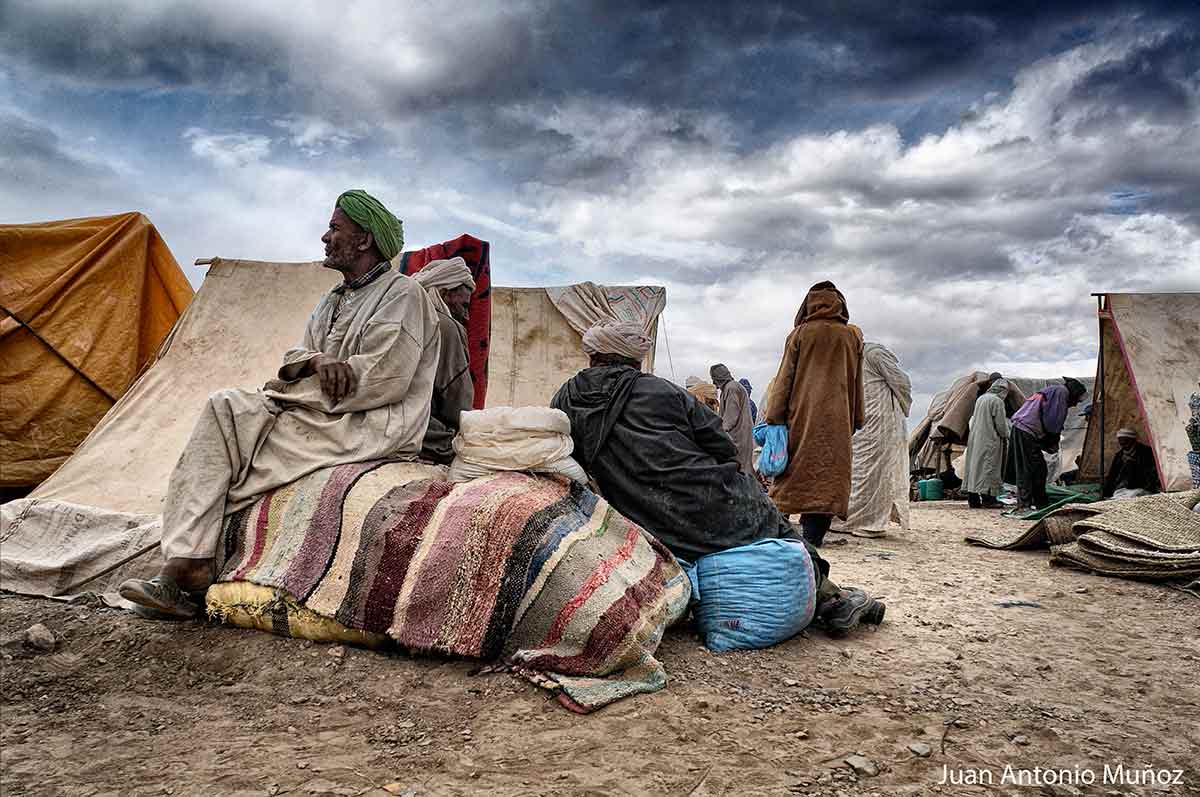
(369, 213)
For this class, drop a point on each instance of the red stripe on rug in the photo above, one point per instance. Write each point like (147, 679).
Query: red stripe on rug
(593, 583)
(510, 521)
(439, 572)
(613, 626)
(263, 511)
(402, 541)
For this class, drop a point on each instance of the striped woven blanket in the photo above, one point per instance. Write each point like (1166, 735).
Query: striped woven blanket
(537, 571)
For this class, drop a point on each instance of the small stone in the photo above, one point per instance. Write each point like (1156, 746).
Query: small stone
(847, 653)
(801, 734)
(303, 765)
(861, 764)
(1082, 590)
(40, 637)
(338, 652)
(790, 682)
(1021, 740)
(920, 749)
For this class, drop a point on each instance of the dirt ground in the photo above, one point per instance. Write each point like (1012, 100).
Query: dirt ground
(1104, 673)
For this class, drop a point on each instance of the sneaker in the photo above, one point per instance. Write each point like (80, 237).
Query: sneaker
(874, 614)
(847, 610)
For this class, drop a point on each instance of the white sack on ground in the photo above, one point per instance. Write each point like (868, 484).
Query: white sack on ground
(879, 471)
(61, 549)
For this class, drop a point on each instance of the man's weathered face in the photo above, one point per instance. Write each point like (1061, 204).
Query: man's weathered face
(458, 301)
(1127, 443)
(344, 242)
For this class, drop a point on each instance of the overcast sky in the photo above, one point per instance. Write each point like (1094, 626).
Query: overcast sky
(966, 173)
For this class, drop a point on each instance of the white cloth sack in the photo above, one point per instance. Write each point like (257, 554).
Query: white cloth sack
(533, 439)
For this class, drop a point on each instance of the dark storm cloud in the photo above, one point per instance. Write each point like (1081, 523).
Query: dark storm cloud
(34, 158)
(1155, 81)
(773, 63)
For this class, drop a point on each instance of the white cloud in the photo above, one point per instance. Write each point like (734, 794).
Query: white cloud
(228, 150)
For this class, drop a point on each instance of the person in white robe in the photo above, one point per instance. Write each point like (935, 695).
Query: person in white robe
(986, 439)
(449, 284)
(879, 468)
(357, 388)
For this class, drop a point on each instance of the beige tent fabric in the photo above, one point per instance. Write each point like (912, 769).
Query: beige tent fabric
(586, 303)
(582, 305)
(879, 471)
(232, 334)
(1151, 345)
(245, 315)
(535, 349)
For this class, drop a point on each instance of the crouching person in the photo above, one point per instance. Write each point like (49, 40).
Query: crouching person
(357, 388)
(664, 462)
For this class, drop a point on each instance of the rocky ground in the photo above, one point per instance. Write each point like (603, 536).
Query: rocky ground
(1100, 673)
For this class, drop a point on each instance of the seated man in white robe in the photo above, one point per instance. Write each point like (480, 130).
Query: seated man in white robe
(449, 284)
(357, 388)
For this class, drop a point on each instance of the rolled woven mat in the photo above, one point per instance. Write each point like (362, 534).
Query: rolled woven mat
(1164, 522)
(1075, 555)
(1054, 529)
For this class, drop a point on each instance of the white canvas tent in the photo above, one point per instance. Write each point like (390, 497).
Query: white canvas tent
(93, 522)
(1148, 368)
(245, 315)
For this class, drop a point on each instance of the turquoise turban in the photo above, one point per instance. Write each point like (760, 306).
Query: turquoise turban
(369, 213)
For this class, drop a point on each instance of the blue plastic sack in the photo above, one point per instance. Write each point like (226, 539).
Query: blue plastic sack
(754, 596)
(760, 433)
(774, 457)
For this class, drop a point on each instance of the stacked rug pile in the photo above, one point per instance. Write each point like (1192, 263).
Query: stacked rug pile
(1156, 537)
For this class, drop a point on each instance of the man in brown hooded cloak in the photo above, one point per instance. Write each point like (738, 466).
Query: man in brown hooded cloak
(818, 394)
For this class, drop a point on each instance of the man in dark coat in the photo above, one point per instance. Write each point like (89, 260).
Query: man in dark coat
(663, 461)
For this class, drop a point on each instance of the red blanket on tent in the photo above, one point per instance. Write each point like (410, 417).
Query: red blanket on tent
(479, 327)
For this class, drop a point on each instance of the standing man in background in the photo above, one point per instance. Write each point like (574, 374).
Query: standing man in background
(818, 394)
(735, 415)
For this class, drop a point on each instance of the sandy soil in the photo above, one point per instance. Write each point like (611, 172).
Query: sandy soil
(1105, 672)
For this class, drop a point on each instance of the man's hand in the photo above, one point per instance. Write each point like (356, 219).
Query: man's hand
(338, 379)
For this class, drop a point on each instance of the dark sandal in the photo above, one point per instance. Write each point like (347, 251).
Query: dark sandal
(161, 595)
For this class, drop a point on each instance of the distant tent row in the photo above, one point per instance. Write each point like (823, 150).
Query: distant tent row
(84, 306)
(940, 439)
(250, 312)
(1148, 367)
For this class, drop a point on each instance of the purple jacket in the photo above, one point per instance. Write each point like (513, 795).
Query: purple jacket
(1044, 413)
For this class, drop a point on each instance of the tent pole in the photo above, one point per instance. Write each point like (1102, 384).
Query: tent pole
(1103, 397)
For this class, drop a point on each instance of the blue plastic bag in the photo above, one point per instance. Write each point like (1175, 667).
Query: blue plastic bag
(774, 457)
(754, 596)
(760, 433)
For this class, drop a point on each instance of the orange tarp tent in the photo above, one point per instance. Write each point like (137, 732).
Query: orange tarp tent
(84, 305)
